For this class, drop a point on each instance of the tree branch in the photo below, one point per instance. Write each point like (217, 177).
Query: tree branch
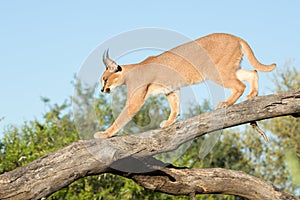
(52, 172)
(211, 181)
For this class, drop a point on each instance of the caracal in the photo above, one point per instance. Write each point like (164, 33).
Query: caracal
(216, 57)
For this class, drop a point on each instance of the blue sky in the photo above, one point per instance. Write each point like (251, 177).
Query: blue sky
(44, 43)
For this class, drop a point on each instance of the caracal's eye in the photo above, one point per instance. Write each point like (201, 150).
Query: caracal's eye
(104, 80)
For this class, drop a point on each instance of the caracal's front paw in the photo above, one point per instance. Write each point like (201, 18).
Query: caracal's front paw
(222, 105)
(251, 95)
(165, 123)
(100, 135)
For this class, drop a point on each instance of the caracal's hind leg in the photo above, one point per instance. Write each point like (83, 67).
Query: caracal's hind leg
(251, 77)
(236, 87)
(133, 104)
(174, 100)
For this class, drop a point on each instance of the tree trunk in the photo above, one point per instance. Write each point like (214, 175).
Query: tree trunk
(130, 156)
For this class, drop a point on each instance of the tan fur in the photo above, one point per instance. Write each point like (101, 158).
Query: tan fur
(216, 57)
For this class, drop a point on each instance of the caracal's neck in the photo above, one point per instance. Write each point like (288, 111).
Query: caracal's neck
(132, 76)
(129, 67)
(125, 70)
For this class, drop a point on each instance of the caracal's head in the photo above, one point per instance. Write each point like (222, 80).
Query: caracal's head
(112, 76)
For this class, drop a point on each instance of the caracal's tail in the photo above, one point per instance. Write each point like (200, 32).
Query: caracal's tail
(252, 59)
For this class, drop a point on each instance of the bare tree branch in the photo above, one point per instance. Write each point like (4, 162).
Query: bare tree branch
(211, 181)
(52, 172)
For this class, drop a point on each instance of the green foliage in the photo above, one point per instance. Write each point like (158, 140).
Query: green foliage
(238, 148)
(287, 78)
(34, 139)
(294, 166)
(286, 136)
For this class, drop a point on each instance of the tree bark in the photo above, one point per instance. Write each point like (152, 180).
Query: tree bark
(130, 156)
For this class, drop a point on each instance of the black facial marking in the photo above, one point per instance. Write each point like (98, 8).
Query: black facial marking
(119, 68)
(105, 80)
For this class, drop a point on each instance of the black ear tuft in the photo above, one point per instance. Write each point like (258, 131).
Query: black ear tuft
(119, 68)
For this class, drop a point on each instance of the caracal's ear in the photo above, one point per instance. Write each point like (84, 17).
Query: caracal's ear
(111, 65)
